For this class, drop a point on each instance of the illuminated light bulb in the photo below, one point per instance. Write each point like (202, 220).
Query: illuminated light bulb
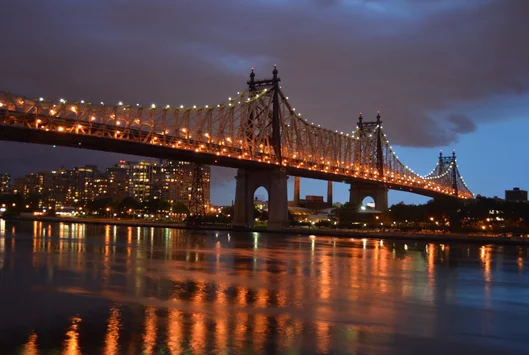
(41, 99)
(153, 106)
(120, 103)
(102, 103)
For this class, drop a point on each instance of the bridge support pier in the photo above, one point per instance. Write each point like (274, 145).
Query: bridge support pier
(379, 193)
(329, 193)
(275, 182)
(296, 190)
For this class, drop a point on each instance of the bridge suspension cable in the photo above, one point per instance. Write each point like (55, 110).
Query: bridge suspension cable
(249, 126)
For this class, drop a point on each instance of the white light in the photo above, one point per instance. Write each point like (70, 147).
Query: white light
(41, 99)
(82, 101)
(120, 103)
(102, 103)
(167, 106)
(153, 106)
(194, 106)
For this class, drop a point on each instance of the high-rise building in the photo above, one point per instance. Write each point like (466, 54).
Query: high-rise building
(55, 187)
(141, 180)
(167, 180)
(144, 180)
(516, 194)
(5, 184)
(79, 185)
(186, 182)
(118, 181)
(99, 186)
(31, 184)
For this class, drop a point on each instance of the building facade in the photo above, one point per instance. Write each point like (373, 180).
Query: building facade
(516, 195)
(5, 184)
(170, 181)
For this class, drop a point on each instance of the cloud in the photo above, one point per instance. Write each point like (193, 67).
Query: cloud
(461, 124)
(410, 59)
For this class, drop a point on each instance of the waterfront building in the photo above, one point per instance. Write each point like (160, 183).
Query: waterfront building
(144, 180)
(118, 181)
(5, 184)
(516, 195)
(141, 180)
(30, 187)
(79, 183)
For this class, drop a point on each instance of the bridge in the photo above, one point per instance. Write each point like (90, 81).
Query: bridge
(256, 131)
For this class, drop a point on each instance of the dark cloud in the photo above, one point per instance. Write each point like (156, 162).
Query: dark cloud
(461, 124)
(409, 59)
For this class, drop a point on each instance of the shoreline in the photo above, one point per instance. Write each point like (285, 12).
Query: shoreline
(434, 237)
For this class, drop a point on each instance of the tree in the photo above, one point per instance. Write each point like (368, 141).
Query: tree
(129, 203)
(228, 211)
(13, 204)
(155, 206)
(100, 205)
(180, 208)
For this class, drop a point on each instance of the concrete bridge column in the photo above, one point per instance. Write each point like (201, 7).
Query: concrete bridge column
(379, 193)
(243, 208)
(278, 200)
(275, 183)
(296, 190)
(329, 193)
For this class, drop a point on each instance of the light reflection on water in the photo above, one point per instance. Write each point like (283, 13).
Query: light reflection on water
(74, 288)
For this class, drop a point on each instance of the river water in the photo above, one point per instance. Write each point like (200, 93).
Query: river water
(87, 289)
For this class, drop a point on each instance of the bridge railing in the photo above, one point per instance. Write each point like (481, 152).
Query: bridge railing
(239, 128)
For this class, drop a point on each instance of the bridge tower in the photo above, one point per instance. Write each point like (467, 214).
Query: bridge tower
(446, 163)
(371, 152)
(274, 180)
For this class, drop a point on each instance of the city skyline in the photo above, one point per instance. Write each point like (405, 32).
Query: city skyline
(143, 181)
(415, 64)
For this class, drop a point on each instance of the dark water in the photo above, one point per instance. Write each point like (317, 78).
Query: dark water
(81, 289)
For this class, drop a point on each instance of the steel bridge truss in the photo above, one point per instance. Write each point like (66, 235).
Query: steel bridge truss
(258, 125)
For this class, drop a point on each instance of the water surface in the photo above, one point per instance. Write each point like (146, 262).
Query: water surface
(87, 289)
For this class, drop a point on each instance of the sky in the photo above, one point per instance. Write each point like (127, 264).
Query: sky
(445, 74)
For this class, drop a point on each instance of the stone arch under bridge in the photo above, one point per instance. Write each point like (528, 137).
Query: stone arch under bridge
(275, 183)
(378, 192)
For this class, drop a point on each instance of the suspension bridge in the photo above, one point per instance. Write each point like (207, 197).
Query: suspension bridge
(256, 131)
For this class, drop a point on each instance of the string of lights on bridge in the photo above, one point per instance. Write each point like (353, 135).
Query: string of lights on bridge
(239, 100)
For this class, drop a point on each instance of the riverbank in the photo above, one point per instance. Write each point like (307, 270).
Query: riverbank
(340, 233)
